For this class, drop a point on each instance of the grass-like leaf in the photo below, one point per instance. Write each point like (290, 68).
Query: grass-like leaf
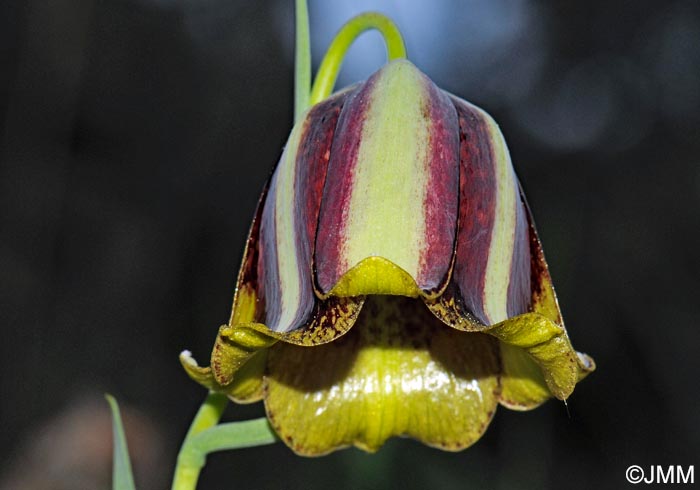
(122, 478)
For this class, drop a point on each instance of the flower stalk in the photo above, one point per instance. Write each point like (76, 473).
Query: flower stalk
(205, 437)
(333, 60)
(191, 458)
(302, 60)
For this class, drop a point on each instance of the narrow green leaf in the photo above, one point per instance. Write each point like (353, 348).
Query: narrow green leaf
(122, 479)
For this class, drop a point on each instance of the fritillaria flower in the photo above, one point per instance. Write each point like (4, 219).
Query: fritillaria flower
(393, 283)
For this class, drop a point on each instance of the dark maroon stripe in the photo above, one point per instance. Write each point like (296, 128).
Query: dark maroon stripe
(309, 174)
(441, 202)
(312, 159)
(338, 187)
(477, 205)
(312, 165)
(519, 291)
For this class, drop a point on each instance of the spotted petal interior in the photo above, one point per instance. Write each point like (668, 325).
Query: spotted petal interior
(398, 372)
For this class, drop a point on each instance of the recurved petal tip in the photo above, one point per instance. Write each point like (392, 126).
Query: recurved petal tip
(199, 374)
(234, 346)
(586, 365)
(548, 345)
(245, 385)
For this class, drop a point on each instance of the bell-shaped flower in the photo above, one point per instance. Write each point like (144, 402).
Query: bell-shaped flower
(393, 283)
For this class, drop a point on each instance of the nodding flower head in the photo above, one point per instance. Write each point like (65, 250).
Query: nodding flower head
(393, 283)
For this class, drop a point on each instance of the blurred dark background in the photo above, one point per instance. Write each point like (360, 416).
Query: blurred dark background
(135, 136)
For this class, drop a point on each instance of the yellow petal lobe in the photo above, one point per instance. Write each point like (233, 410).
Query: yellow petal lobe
(376, 275)
(522, 383)
(549, 346)
(398, 372)
(246, 386)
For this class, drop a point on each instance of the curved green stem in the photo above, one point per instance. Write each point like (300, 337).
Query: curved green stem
(302, 60)
(205, 436)
(234, 435)
(189, 464)
(332, 61)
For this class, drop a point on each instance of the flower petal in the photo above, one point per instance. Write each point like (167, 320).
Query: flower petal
(246, 361)
(491, 276)
(274, 297)
(289, 217)
(282, 285)
(275, 285)
(236, 345)
(522, 383)
(524, 386)
(389, 210)
(544, 298)
(549, 346)
(246, 387)
(398, 372)
(238, 356)
(500, 273)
